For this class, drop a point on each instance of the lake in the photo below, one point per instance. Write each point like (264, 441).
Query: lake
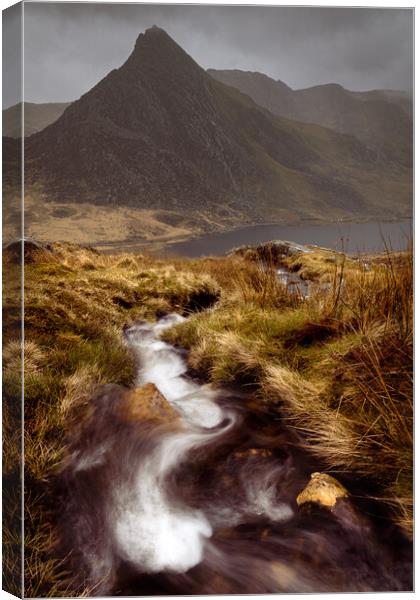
(353, 238)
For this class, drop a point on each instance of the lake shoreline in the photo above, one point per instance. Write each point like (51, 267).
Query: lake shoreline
(165, 246)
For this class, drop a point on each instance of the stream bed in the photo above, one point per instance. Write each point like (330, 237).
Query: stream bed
(198, 496)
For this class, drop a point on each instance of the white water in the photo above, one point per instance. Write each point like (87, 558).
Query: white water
(138, 503)
(162, 365)
(151, 530)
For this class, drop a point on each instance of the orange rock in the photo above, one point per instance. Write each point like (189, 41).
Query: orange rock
(322, 489)
(328, 493)
(147, 404)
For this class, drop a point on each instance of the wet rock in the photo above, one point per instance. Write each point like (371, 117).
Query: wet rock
(322, 489)
(273, 252)
(290, 248)
(326, 493)
(147, 404)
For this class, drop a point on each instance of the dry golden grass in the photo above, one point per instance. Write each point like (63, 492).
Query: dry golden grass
(76, 303)
(361, 418)
(338, 366)
(84, 223)
(319, 264)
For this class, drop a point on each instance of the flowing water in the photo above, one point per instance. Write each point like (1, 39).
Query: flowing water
(294, 284)
(204, 502)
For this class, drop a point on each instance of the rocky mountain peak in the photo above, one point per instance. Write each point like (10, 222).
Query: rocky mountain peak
(157, 56)
(153, 34)
(160, 133)
(154, 41)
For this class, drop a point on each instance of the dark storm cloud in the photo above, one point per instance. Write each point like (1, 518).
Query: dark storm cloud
(70, 47)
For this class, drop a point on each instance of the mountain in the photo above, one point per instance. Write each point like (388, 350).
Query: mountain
(159, 133)
(37, 116)
(379, 118)
(402, 99)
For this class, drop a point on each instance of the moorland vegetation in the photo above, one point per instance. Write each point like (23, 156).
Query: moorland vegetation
(336, 365)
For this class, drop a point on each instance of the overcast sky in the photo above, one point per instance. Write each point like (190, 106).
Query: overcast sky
(70, 47)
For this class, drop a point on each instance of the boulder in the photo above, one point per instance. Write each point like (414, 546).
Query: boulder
(327, 494)
(275, 251)
(13, 250)
(147, 404)
(322, 489)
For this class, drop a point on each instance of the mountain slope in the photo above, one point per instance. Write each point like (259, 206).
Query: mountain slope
(379, 118)
(160, 133)
(403, 100)
(37, 116)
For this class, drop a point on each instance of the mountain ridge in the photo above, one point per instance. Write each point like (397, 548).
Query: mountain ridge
(160, 133)
(37, 116)
(380, 119)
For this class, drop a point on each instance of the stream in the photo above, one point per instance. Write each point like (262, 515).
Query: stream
(200, 498)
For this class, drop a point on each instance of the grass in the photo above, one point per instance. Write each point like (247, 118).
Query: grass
(76, 303)
(314, 264)
(337, 366)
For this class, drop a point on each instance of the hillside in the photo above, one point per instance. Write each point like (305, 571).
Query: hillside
(379, 118)
(161, 134)
(37, 117)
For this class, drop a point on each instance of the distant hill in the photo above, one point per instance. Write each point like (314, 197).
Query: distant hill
(379, 118)
(402, 99)
(160, 133)
(37, 116)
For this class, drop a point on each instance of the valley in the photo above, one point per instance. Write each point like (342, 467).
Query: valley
(161, 136)
(208, 293)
